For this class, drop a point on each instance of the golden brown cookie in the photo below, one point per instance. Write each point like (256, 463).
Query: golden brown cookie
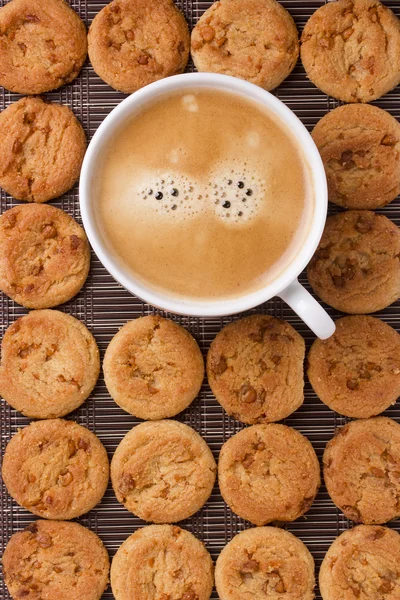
(356, 267)
(55, 560)
(255, 369)
(362, 470)
(255, 40)
(49, 364)
(265, 562)
(135, 42)
(43, 45)
(42, 147)
(153, 368)
(159, 562)
(268, 473)
(350, 49)
(362, 564)
(44, 255)
(356, 371)
(56, 469)
(360, 148)
(163, 471)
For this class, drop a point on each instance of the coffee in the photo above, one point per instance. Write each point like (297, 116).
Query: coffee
(204, 194)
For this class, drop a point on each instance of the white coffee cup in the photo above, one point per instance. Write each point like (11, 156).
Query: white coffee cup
(286, 285)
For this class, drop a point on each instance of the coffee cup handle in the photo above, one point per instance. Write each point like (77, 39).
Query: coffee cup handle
(308, 309)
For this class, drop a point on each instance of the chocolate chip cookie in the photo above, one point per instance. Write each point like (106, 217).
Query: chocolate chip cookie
(265, 562)
(42, 147)
(39, 374)
(362, 470)
(255, 40)
(362, 563)
(52, 559)
(356, 267)
(268, 473)
(44, 255)
(163, 471)
(135, 42)
(159, 562)
(360, 148)
(350, 49)
(255, 369)
(153, 368)
(56, 469)
(43, 45)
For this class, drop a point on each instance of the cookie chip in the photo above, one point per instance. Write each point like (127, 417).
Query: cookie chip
(39, 374)
(44, 255)
(135, 42)
(42, 147)
(360, 148)
(356, 267)
(362, 564)
(56, 469)
(268, 473)
(163, 471)
(362, 470)
(159, 562)
(350, 49)
(43, 45)
(255, 369)
(255, 40)
(153, 368)
(52, 559)
(265, 562)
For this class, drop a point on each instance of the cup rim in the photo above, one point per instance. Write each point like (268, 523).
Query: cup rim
(215, 307)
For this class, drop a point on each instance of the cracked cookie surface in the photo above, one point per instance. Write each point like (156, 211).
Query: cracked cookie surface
(266, 562)
(56, 469)
(255, 40)
(163, 471)
(362, 564)
(43, 45)
(362, 470)
(153, 368)
(360, 148)
(42, 147)
(135, 42)
(52, 559)
(255, 369)
(350, 49)
(39, 374)
(268, 473)
(356, 267)
(162, 562)
(44, 255)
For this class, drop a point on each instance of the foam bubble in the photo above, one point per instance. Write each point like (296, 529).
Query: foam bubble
(190, 103)
(171, 194)
(253, 139)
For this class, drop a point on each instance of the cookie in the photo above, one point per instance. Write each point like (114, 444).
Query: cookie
(44, 255)
(362, 564)
(56, 469)
(43, 45)
(362, 470)
(360, 148)
(163, 471)
(255, 40)
(268, 473)
(255, 369)
(39, 375)
(265, 562)
(52, 559)
(42, 147)
(153, 368)
(159, 562)
(135, 42)
(356, 266)
(350, 49)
